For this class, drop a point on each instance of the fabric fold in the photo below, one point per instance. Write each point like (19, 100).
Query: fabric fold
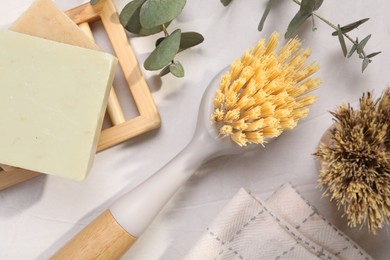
(283, 227)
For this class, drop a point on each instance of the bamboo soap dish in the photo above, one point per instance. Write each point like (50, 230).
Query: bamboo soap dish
(121, 129)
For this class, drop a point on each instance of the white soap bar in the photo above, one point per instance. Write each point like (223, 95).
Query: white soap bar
(52, 102)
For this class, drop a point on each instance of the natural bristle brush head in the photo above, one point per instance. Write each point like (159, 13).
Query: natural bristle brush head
(263, 93)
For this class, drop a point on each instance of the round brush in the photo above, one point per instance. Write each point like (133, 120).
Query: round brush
(260, 96)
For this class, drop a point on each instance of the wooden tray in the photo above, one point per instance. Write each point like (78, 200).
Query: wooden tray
(121, 129)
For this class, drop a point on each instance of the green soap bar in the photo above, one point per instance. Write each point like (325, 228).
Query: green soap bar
(52, 102)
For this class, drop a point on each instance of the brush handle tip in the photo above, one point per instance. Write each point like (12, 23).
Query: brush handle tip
(103, 238)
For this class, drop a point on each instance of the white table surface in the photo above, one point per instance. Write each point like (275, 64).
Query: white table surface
(40, 215)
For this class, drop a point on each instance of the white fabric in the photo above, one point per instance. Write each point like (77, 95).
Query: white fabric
(283, 227)
(37, 217)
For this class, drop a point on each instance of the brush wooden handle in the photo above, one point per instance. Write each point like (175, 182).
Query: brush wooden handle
(103, 238)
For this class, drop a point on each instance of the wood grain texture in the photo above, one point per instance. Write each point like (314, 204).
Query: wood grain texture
(13, 176)
(149, 117)
(122, 129)
(103, 238)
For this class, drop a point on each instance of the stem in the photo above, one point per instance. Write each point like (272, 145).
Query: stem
(331, 25)
(166, 34)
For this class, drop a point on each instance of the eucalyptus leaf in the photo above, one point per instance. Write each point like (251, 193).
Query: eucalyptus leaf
(130, 19)
(308, 6)
(265, 14)
(361, 44)
(164, 71)
(373, 54)
(94, 2)
(164, 52)
(295, 23)
(157, 12)
(342, 41)
(226, 2)
(365, 63)
(129, 11)
(190, 39)
(353, 49)
(351, 26)
(177, 69)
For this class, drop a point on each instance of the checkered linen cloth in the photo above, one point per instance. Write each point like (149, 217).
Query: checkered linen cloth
(283, 227)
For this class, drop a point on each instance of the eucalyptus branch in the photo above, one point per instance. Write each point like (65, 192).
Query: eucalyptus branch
(147, 17)
(307, 10)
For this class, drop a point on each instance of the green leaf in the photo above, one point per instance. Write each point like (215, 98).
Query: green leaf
(177, 69)
(129, 11)
(158, 12)
(190, 39)
(129, 18)
(308, 6)
(351, 26)
(164, 52)
(361, 44)
(158, 41)
(265, 14)
(94, 2)
(226, 2)
(342, 41)
(373, 54)
(365, 63)
(295, 23)
(353, 49)
(164, 71)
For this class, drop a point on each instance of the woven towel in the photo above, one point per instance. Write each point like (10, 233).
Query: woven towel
(283, 227)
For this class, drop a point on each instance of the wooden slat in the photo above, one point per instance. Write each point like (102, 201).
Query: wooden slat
(114, 109)
(121, 130)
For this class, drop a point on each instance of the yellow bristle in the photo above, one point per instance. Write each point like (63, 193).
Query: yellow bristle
(235, 69)
(312, 84)
(272, 43)
(219, 99)
(271, 132)
(286, 52)
(259, 49)
(298, 90)
(264, 92)
(251, 114)
(240, 138)
(230, 100)
(226, 130)
(270, 121)
(287, 123)
(282, 113)
(306, 101)
(299, 59)
(247, 59)
(260, 97)
(300, 113)
(217, 116)
(250, 88)
(225, 82)
(255, 125)
(232, 115)
(240, 125)
(238, 84)
(254, 137)
(306, 72)
(267, 109)
(246, 103)
(247, 73)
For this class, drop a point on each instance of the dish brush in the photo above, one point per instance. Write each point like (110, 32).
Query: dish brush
(260, 96)
(354, 155)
